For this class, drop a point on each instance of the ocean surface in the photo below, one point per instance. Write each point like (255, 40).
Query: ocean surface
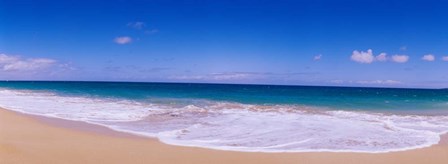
(253, 118)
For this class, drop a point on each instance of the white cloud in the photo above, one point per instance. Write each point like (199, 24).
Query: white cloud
(400, 58)
(381, 57)
(445, 58)
(428, 57)
(242, 76)
(363, 57)
(218, 76)
(7, 59)
(230, 76)
(387, 82)
(368, 57)
(370, 82)
(123, 40)
(137, 25)
(14, 63)
(318, 57)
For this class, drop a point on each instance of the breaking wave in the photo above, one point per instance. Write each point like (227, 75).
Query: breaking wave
(236, 126)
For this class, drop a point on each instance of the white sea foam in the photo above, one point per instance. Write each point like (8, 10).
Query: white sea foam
(240, 127)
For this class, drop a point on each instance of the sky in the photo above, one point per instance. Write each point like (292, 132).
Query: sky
(379, 43)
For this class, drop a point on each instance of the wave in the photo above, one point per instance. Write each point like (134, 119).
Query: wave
(236, 126)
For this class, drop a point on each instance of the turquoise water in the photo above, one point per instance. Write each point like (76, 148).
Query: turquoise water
(254, 118)
(347, 98)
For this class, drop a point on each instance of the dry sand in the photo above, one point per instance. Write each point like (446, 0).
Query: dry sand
(28, 139)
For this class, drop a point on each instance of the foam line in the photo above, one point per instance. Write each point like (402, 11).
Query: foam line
(239, 127)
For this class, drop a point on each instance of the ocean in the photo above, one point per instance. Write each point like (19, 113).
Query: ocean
(251, 118)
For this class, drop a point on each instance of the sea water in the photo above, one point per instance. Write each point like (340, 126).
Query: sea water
(253, 118)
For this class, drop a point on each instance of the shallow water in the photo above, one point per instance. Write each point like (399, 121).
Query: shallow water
(245, 118)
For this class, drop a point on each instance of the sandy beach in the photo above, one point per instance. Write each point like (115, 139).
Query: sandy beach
(30, 139)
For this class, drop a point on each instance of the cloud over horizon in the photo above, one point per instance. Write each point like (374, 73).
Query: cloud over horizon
(387, 82)
(10, 63)
(368, 82)
(15, 67)
(218, 76)
(244, 76)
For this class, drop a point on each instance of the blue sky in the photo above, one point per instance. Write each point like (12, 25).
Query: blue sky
(320, 42)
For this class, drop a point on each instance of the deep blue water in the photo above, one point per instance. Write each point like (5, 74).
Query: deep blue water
(348, 98)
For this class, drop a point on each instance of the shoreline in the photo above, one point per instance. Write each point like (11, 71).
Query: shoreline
(104, 130)
(26, 138)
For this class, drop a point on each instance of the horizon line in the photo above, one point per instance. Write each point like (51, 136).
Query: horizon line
(217, 83)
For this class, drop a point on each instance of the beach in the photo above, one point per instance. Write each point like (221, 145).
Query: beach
(223, 82)
(31, 139)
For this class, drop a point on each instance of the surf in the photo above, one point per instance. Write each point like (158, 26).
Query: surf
(226, 125)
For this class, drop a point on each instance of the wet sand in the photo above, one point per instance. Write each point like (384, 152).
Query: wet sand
(32, 139)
